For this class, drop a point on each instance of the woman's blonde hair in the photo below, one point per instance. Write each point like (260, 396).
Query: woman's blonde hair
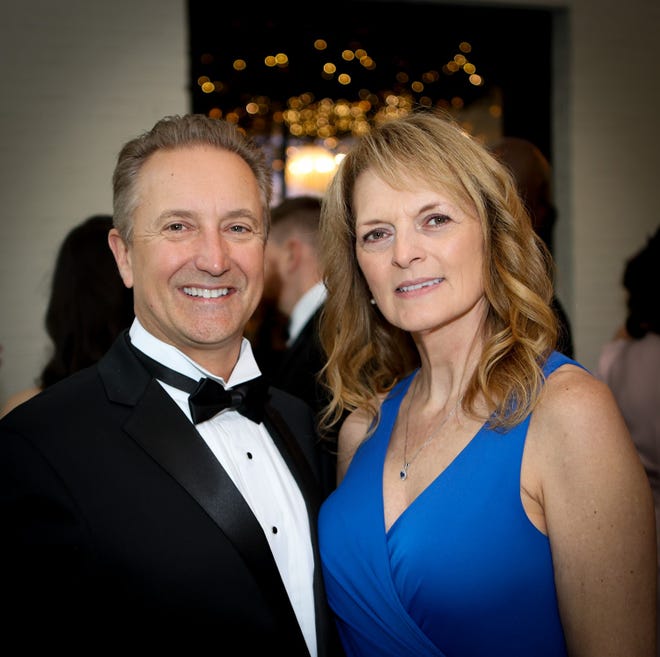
(366, 355)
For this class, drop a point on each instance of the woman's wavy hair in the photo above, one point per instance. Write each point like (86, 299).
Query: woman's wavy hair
(366, 355)
(173, 132)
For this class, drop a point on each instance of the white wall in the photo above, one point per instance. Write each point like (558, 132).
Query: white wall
(611, 164)
(80, 77)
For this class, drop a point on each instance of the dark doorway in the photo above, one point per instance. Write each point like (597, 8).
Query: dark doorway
(509, 47)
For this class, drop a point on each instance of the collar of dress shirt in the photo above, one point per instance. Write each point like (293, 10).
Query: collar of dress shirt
(245, 369)
(306, 306)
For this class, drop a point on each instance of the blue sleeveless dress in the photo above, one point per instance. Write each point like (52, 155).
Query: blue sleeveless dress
(461, 573)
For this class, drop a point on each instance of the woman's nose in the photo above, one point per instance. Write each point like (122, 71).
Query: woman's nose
(406, 248)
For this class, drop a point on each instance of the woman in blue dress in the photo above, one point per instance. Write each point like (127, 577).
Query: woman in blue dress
(490, 501)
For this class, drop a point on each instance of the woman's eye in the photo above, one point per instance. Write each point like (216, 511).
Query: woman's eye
(374, 235)
(438, 219)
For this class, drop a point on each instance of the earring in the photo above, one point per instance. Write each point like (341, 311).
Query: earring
(372, 301)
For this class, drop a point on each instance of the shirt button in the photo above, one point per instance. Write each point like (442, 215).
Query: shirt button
(274, 530)
(249, 455)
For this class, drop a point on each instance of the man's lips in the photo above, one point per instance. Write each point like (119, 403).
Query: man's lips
(206, 293)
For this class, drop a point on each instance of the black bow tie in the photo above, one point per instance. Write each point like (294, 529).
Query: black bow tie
(208, 397)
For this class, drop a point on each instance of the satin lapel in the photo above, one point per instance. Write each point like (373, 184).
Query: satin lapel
(294, 457)
(165, 433)
(299, 466)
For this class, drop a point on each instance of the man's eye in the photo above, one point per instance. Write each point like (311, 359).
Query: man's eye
(175, 228)
(239, 229)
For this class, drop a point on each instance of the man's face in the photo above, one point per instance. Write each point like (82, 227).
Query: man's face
(196, 260)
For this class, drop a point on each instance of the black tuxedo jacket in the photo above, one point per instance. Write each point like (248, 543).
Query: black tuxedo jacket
(297, 373)
(121, 528)
(299, 364)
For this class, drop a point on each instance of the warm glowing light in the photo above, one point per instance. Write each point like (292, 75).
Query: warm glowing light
(307, 117)
(495, 111)
(309, 169)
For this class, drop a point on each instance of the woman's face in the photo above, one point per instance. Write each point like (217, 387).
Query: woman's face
(420, 252)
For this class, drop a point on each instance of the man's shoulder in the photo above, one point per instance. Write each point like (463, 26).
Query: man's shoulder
(61, 398)
(284, 401)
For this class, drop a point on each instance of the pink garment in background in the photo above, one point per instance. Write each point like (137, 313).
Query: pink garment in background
(631, 368)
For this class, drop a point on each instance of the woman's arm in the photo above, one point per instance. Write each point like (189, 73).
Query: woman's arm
(599, 515)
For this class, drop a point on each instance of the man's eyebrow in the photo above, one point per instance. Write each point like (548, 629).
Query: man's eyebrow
(176, 213)
(241, 212)
(189, 214)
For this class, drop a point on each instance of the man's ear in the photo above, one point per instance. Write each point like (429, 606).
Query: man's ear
(293, 254)
(122, 255)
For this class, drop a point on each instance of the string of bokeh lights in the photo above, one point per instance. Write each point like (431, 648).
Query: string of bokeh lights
(316, 131)
(305, 116)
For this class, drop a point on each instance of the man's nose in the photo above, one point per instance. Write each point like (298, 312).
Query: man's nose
(212, 252)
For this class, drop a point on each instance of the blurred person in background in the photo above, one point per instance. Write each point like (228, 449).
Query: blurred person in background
(88, 307)
(293, 282)
(630, 365)
(533, 176)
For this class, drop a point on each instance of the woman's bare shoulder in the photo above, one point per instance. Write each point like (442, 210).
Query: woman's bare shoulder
(577, 414)
(17, 399)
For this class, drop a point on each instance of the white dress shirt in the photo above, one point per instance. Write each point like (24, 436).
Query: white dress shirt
(247, 452)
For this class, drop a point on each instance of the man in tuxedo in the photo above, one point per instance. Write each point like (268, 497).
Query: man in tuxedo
(294, 284)
(165, 498)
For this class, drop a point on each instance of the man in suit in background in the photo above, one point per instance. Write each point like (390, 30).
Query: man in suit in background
(294, 283)
(164, 498)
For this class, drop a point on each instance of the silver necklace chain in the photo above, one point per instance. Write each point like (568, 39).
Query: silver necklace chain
(403, 473)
